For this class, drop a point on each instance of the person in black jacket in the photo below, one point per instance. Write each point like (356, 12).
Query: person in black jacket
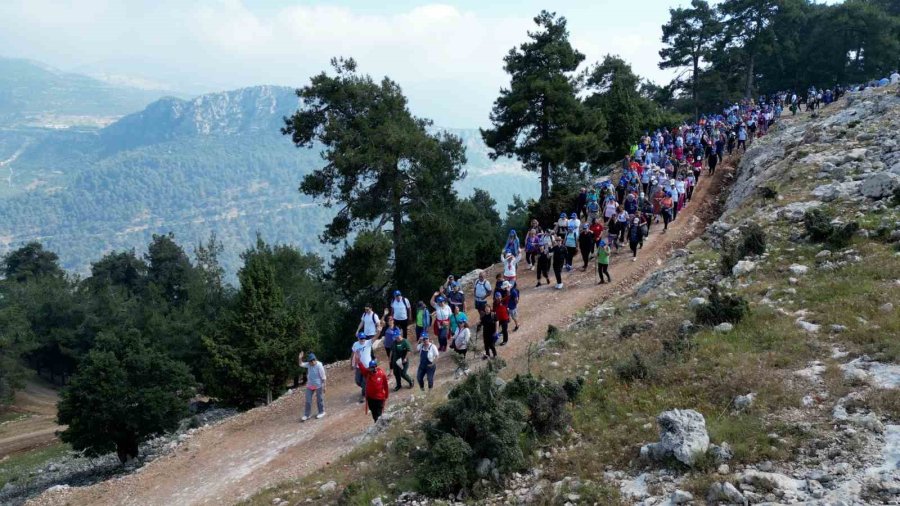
(585, 244)
(635, 236)
(489, 327)
(559, 254)
(543, 264)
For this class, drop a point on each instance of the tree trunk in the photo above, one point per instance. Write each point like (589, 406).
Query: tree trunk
(750, 66)
(694, 88)
(545, 180)
(268, 396)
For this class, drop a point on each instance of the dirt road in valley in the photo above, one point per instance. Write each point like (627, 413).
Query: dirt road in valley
(225, 463)
(37, 427)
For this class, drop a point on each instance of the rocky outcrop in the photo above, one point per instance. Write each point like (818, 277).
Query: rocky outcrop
(682, 434)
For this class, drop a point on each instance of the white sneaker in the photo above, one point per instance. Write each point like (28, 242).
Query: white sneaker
(320, 415)
(559, 286)
(305, 418)
(634, 259)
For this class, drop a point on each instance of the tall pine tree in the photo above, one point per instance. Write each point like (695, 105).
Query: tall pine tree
(689, 36)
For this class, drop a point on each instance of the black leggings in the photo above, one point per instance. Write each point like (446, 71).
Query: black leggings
(401, 374)
(504, 329)
(667, 217)
(557, 271)
(603, 269)
(543, 269)
(531, 257)
(634, 247)
(570, 254)
(586, 256)
(489, 348)
(376, 406)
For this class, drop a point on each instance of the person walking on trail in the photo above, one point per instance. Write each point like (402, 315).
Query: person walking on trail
(315, 386)
(559, 254)
(512, 304)
(361, 355)
(460, 345)
(635, 237)
(389, 336)
(441, 324)
(456, 297)
(510, 262)
(489, 338)
(400, 361)
(401, 311)
(585, 245)
(369, 323)
(501, 310)
(543, 264)
(667, 206)
(532, 245)
(603, 261)
(571, 246)
(562, 225)
(428, 354)
(512, 243)
(482, 290)
(423, 319)
(377, 389)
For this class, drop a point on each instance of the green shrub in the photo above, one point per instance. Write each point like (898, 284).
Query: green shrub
(766, 192)
(895, 199)
(633, 368)
(820, 229)
(721, 309)
(448, 467)
(752, 241)
(573, 387)
(546, 402)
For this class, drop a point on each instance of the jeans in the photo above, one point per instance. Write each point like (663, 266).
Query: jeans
(401, 374)
(320, 401)
(360, 381)
(425, 370)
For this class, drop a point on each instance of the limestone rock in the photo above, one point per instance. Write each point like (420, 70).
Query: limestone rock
(743, 402)
(742, 268)
(725, 492)
(880, 185)
(798, 269)
(682, 434)
(724, 327)
(328, 487)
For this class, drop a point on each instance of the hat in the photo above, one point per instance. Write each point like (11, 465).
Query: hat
(424, 336)
(397, 293)
(602, 243)
(361, 335)
(584, 226)
(512, 231)
(497, 295)
(562, 215)
(373, 363)
(505, 285)
(311, 357)
(454, 284)
(573, 216)
(440, 298)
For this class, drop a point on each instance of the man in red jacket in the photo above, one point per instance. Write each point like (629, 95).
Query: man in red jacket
(376, 388)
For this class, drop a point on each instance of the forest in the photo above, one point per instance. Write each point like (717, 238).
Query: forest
(157, 328)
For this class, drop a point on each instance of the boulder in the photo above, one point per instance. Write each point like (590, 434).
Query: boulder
(834, 191)
(798, 269)
(681, 497)
(743, 402)
(742, 268)
(796, 210)
(697, 301)
(724, 492)
(682, 434)
(723, 327)
(880, 185)
(328, 487)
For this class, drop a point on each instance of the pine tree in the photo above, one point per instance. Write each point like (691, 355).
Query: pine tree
(689, 35)
(747, 25)
(539, 118)
(124, 392)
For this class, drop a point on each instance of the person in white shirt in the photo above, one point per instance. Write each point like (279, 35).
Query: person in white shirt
(895, 77)
(361, 354)
(482, 289)
(461, 346)
(428, 354)
(442, 312)
(509, 266)
(369, 323)
(315, 385)
(401, 311)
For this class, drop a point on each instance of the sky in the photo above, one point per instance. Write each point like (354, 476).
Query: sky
(447, 56)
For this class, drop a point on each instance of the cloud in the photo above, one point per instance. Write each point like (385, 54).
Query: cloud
(448, 59)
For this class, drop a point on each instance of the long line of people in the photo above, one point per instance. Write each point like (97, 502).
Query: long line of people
(656, 182)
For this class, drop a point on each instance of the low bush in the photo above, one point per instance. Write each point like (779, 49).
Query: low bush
(721, 308)
(819, 228)
(633, 368)
(546, 402)
(752, 241)
(766, 192)
(448, 466)
(573, 388)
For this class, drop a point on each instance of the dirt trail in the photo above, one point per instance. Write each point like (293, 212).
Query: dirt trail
(230, 461)
(37, 402)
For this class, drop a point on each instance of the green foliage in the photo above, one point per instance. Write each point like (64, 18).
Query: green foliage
(256, 351)
(546, 402)
(752, 241)
(573, 387)
(448, 466)
(539, 118)
(721, 308)
(16, 339)
(689, 36)
(819, 228)
(31, 261)
(126, 390)
(635, 367)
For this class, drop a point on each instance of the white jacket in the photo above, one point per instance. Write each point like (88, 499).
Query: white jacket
(509, 266)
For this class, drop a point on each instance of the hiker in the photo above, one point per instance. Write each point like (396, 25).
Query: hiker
(603, 261)
(571, 246)
(667, 206)
(423, 319)
(512, 304)
(512, 243)
(559, 254)
(562, 226)
(532, 245)
(482, 290)
(361, 354)
(389, 336)
(401, 311)
(315, 385)
(461, 347)
(489, 327)
(510, 262)
(428, 354)
(501, 311)
(585, 244)
(456, 297)
(377, 389)
(543, 263)
(635, 237)
(369, 323)
(441, 323)
(400, 361)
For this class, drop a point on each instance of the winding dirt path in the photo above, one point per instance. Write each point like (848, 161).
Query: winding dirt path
(230, 461)
(37, 402)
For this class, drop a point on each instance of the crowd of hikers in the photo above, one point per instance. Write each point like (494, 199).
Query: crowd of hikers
(655, 182)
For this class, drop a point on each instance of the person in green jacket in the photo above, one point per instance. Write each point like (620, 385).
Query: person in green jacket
(400, 362)
(603, 261)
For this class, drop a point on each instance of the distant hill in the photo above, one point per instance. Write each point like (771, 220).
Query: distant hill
(35, 94)
(215, 163)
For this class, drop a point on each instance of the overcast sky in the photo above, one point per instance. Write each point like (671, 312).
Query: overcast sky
(446, 56)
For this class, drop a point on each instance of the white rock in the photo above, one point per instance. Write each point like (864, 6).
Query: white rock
(724, 492)
(742, 402)
(795, 210)
(697, 301)
(681, 497)
(742, 268)
(724, 327)
(807, 326)
(328, 487)
(682, 434)
(798, 269)
(886, 307)
(772, 481)
(880, 185)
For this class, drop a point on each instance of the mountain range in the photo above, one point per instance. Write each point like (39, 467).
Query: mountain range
(216, 163)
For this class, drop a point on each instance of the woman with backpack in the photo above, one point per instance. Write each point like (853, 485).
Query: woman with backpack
(543, 262)
(461, 347)
(635, 237)
(441, 323)
(489, 327)
(532, 245)
(558, 253)
(501, 310)
(571, 246)
(667, 205)
(423, 319)
(428, 354)
(585, 245)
